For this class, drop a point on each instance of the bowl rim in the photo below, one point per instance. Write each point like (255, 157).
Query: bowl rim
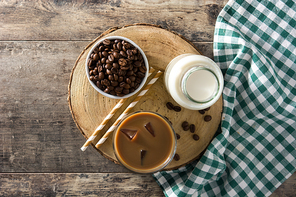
(146, 63)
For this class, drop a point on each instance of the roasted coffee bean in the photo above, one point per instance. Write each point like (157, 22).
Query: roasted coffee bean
(106, 42)
(137, 63)
(118, 89)
(108, 72)
(107, 90)
(108, 66)
(95, 57)
(105, 54)
(122, 84)
(142, 69)
(116, 54)
(195, 137)
(132, 89)
(129, 52)
(138, 80)
(110, 87)
(132, 78)
(115, 77)
(176, 157)
(115, 65)
(185, 124)
(128, 80)
(120, 79)
(177, 108)
(124, 68)
(130, 73)
(207, 109)
(99, 85)
(186, 128)
(201, 111)
(101, 48)
(114, 70)
(127, 86)
(140, 74)
(106, 82)
(135, 51)
(170, 105)
(119, 46)
(101, 76)
(111, 58)
(192, 128)
(178, 136)
(114, 83)
(207, 118)
(125, 91)
(103, 60)
(96, 78)
(123, 53)
(100, 68)
(110, 77)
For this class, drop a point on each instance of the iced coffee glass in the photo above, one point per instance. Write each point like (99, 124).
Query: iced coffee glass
(144, 142)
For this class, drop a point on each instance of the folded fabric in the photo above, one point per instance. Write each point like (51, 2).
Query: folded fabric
(255, 47)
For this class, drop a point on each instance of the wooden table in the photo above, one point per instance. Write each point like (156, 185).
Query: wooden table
(39, 141)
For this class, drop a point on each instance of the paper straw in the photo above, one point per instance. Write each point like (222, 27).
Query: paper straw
(102, 125)
(105, 121)
(127, 110)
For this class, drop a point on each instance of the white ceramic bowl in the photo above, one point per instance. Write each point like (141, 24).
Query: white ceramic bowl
(107, 94)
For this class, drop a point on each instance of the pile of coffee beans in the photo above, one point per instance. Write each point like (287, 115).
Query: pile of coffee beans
(116, 67)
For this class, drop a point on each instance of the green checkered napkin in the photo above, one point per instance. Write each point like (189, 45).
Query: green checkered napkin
(255, 46)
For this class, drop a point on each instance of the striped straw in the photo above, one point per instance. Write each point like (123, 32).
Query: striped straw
(127, 110)
(105, 121)
(102, 125)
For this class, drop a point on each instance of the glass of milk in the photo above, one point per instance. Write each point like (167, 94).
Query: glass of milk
(194, 81)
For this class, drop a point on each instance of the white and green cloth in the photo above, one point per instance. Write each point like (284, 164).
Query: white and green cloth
(255, 47)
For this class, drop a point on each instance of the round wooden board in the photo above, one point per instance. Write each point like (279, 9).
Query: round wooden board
(89, 108)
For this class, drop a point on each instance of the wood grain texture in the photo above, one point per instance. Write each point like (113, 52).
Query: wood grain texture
(78, 184)
(96, 184)
(39, 43)
(85, 20)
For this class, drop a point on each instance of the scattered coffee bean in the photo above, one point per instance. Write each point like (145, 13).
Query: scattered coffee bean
(185, 124)
(207, 118)
(110, 64)
(186, 128)
(202, 111)
(207, 109)
(178, 136)
(192, 128)
(169, 105)
(176, 157)
(177, 108)
(195, 137)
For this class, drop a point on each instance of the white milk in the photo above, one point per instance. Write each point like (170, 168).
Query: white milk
(194, 81)
(201, 85)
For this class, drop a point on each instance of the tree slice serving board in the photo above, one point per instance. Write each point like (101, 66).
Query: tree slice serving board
(89, 108)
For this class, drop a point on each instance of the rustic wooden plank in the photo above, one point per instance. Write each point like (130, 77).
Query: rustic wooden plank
(78, 184)
(38, 133)
(95, 184)
(85, 20)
